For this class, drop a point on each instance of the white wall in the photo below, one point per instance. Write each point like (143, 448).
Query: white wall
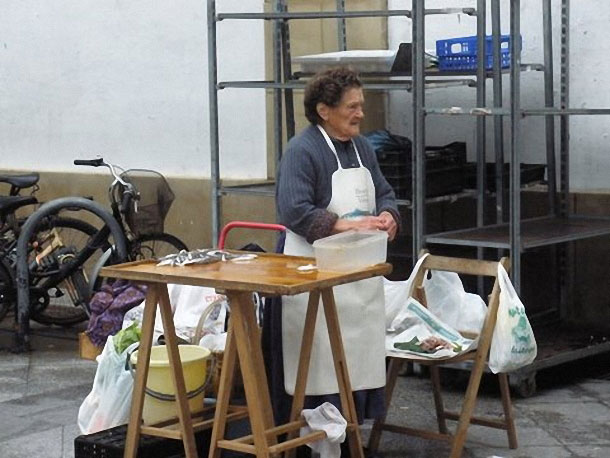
(127, 79)
(590, 83)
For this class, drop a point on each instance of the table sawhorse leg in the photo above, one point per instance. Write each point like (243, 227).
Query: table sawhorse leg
(245, 339)
(157, 292)
(348, 407)
(304, 358)
(225, 385)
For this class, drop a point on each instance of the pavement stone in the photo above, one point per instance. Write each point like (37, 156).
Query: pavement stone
(41, 392)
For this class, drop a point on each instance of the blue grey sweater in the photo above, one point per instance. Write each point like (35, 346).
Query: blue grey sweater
(304, 188)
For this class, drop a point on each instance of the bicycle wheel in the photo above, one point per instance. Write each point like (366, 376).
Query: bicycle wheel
(67, 302)
(154, 246)
(7, 291)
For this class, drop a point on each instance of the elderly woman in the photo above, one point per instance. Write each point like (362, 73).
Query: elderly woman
(329, 182)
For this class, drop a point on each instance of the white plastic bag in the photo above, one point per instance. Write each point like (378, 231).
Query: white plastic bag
(447, 299)
(109, 402)
(513, 344)
(396, 294)
(189, 302)
(414, 325)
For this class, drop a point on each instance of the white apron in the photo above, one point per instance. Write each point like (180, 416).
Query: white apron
(360, 305)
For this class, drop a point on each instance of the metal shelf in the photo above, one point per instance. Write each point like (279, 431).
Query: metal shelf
(484, 111)
(437, 199)
(488, 73)
(435, 72)
(381, 85)
(535, 232)
(259, 189)
(340, 14)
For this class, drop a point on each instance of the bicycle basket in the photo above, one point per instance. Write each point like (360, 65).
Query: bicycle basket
(155, 200)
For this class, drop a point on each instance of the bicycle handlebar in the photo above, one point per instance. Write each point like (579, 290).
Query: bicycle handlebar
(99, 162)
(91, 162)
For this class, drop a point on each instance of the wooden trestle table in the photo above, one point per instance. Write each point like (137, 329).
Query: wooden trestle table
(267, 274)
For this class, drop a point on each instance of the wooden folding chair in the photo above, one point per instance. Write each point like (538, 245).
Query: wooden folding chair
(478, 357)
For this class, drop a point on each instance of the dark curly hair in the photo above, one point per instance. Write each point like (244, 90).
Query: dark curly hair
(328, 87)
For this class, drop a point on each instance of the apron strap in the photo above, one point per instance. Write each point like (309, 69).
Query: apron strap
(334, 150)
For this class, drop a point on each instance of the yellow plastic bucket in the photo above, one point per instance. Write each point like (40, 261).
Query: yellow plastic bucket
(159, 402)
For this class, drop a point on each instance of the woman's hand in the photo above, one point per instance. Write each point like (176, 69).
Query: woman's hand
(367, 223)
(388, 224)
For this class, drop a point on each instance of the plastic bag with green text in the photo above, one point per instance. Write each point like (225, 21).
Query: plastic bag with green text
(513, 344)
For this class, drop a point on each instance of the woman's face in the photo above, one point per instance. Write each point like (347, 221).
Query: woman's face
(343, 121)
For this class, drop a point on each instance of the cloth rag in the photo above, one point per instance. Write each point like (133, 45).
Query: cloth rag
(327, 418)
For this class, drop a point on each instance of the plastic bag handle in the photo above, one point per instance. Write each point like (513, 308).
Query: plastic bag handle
(199, 329)
(505, 283)
(414, 272)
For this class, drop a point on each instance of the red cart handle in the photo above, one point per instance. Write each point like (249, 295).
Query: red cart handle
(247, 225)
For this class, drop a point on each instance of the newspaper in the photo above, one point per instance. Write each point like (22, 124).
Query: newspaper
(417, 333)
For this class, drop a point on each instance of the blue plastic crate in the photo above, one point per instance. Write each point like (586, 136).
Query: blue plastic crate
(461, 53)
(455, 63)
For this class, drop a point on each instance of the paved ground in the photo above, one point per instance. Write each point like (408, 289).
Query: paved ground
(40, 393)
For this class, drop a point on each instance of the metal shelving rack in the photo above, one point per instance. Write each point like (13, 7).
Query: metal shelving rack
(515, 235)
(284, 81)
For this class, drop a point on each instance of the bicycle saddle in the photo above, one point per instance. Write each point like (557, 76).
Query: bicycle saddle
(21, 181)
(8, 204)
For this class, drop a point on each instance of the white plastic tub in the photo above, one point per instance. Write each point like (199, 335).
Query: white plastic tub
(366, 60)
(351, 250)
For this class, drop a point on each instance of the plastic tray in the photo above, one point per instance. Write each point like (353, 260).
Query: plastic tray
(351, 250)
(378, 60)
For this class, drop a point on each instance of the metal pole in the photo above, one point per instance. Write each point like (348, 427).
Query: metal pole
(480, 131)
(549, 102)
(213, 111)
(480, 120)
(564, 126)
(566, 272)
(277, 77)
(497, 103)
(341, 29)
(515, 152)
(419, 141)
(287, 70)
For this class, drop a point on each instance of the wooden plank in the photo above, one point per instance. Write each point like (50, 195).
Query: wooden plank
(297, 442)
(268, 273)
(276, 431)
(461, 265)
(224, 393)
(423, 433)
(86, 348)
(348, 408)
(161, 432)
(175, 365)
(139, 384)
(482, 421)
(240, 309)
(298, 398)
(237, 446)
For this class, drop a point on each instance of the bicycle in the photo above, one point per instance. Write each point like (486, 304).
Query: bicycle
(139, 201)
(54, 230)
(138, 229)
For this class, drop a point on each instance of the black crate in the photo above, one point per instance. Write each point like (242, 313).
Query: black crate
(437, 157)
(448, 180)
(110, 443)
(530, 173)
